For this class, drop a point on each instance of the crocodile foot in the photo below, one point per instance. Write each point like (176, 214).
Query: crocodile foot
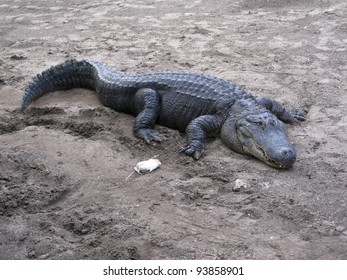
(192, 151)
(149, 135)
(293, 116)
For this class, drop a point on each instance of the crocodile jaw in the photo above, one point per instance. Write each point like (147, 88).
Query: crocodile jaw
(271, 145)
(258, 152)
(267, 142)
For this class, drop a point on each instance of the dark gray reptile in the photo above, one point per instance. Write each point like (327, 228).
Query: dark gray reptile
(202, 105)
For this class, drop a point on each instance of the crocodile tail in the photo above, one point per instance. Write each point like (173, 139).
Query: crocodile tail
(67, 75)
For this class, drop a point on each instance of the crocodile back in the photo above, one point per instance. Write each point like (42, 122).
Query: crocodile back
(183, 95)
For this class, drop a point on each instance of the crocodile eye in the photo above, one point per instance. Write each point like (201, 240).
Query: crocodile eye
(261, 124)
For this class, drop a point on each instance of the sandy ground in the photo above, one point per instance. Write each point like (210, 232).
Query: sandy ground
(64, 163)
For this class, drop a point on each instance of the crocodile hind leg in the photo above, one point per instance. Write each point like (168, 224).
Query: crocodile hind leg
(197, 131)
(148, 105)
(279, 111)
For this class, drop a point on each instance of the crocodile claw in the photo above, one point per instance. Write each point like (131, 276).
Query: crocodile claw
(293, 117)
(299, 116)
(296, 116)
(191, 151)
(149, 135)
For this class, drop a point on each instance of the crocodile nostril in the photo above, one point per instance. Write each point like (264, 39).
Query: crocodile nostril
(288, 154)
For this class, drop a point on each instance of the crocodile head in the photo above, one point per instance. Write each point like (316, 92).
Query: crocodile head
(261, 135)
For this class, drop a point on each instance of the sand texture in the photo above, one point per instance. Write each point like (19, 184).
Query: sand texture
(65, 190)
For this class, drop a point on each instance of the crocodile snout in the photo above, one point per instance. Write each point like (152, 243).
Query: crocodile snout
(287, 157)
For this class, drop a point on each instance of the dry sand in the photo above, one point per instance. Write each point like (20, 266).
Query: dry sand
(64, 162)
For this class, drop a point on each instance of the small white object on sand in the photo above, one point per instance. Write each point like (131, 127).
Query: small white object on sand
(238, 184)
(147, 166)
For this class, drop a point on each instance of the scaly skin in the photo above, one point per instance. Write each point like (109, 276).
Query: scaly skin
(199, 104)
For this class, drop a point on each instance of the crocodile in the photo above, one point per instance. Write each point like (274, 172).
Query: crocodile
(199, 104)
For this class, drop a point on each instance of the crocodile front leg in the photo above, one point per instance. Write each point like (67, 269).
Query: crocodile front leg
(148, 105)
(279, 111)
(197, 131)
